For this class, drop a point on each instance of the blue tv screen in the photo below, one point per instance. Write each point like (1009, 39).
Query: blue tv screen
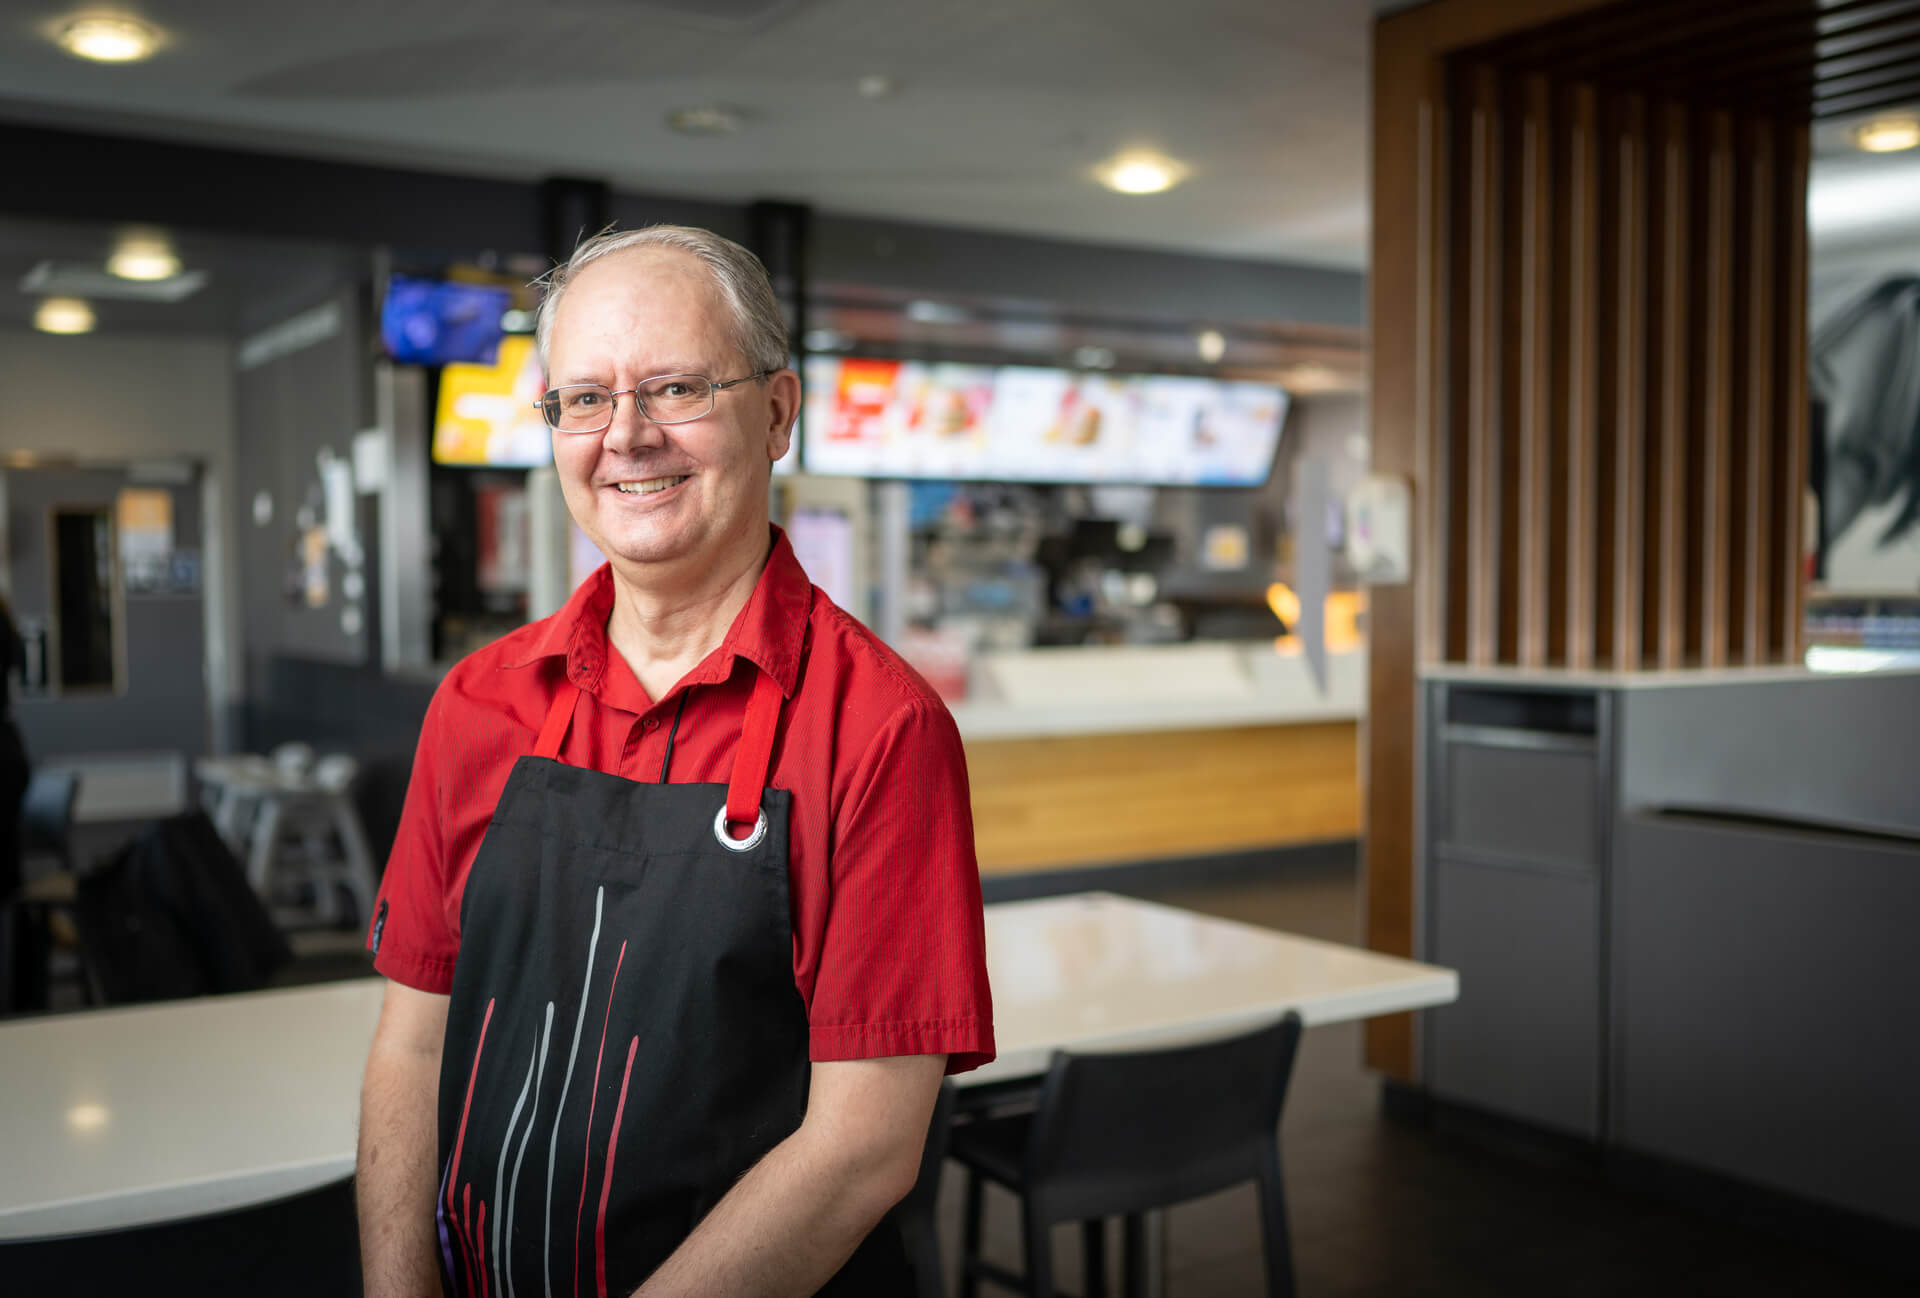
(432, 322)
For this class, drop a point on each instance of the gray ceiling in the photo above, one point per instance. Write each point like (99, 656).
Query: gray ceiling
(1001, 107)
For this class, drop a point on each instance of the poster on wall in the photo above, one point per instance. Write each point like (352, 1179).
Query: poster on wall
(1865, 355)
(143, 516)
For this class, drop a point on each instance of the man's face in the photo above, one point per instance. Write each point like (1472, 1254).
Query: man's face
(624, 319)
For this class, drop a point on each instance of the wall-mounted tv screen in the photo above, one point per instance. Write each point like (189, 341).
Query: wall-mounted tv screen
(486, 413)
(433, 322)
(909, 419)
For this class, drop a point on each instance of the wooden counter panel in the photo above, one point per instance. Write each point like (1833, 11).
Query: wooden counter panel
(1052, 803)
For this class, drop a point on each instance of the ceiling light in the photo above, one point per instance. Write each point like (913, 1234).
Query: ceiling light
(1140, 172)
(106, 38)
(63, 315)
(1094, 358)
(706, 119)
(144, 256)
(925, 311)
(1211, 344)
(1889, 134)
(88, 1117)
(877, 86)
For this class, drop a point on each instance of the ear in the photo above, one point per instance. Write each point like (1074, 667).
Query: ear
(783, 407)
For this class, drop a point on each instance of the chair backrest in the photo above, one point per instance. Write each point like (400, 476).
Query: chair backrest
(1120, 1133)
(46, 814)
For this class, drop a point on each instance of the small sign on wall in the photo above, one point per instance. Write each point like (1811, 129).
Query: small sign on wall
(144, 518)
(1380, 530)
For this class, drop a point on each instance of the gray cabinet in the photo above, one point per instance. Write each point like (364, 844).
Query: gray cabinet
(1515, 873)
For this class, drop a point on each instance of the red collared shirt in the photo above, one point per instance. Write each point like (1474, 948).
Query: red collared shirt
(888, 949)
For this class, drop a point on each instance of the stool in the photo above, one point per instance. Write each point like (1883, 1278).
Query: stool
(1125, 1134)
(307, 826)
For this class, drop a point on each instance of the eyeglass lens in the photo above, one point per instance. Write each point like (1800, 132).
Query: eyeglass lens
(588, 407)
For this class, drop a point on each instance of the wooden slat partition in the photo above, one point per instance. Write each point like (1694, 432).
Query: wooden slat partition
(1565, 197)
(1588, 301)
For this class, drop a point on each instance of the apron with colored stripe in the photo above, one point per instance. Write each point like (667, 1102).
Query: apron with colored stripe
(624, 1038)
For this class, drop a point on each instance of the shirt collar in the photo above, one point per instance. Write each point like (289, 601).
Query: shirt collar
(770, 631)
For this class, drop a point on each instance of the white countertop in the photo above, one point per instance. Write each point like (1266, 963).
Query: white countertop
(1031, 693)
(122, 1117)
(119, 1117)
(1094, 971)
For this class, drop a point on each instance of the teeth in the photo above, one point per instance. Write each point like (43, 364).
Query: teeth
(650, 486)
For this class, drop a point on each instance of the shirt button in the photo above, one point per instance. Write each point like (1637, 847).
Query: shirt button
(651, 723)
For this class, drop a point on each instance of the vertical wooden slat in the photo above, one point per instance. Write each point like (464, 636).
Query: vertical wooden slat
(1484, 371)
(1793, 416)
(1675, 343)
(1763, 275)
(1630, 398)
(1430, 370)
(1535, 380)
(1717, 342)
(1582, 468)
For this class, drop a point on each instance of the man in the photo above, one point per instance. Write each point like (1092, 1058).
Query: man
(682, 924)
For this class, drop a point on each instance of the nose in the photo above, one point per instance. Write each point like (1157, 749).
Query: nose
(630, 429)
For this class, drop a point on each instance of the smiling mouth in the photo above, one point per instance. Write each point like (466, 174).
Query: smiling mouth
(649, 486)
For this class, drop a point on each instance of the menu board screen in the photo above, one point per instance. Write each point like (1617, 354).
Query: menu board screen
(909, 419)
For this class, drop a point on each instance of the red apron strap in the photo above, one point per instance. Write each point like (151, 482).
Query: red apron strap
(559, 717)
(755, 751)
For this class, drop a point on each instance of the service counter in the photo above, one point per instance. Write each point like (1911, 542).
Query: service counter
(1111, 756)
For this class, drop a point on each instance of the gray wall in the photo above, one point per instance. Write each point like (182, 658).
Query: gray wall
(288, 411)
(162, 704)
(143, 398)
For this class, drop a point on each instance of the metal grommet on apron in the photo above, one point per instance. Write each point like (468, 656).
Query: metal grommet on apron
(624, 1038)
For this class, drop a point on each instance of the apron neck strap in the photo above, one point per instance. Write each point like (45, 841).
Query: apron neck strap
(559, 717)
(751, 759)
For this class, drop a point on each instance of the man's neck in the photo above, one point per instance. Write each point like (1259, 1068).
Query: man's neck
(664, 622)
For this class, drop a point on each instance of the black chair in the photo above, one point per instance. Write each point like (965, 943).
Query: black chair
(1119, 1135)
(46, 885)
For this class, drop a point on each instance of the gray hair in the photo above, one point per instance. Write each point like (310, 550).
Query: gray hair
(759, 327)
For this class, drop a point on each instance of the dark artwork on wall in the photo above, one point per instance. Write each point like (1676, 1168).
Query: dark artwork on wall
(1865, 356)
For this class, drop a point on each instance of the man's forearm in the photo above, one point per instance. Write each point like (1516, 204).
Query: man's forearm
(785, 1228)
(394, 1177)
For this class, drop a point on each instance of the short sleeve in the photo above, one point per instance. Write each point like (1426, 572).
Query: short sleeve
(903, 957)
(409, 935)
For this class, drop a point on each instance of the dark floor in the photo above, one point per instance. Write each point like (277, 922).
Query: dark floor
(1383, 1209)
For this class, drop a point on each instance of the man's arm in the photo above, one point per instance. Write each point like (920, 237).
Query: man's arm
(399, 1136)
(790, 1223)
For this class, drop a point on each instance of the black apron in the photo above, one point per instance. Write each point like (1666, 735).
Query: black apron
(625, 1038)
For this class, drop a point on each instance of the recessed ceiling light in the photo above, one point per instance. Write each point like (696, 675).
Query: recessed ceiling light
(1140, 172)
(63, 315)
(1211, 344)
(877, 86)
(144, 256)
(926, 311)
(1889, 134)
(706, 119)
(108, 38)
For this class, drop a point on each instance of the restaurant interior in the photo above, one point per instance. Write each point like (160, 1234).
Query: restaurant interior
(1398, 499)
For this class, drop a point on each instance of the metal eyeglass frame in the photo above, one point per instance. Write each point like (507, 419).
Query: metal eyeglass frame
(614, 394)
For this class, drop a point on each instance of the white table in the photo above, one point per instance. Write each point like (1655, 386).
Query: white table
(115, 1118)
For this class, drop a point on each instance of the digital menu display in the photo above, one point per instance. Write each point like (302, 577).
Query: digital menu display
(486, 413)
(909, 419)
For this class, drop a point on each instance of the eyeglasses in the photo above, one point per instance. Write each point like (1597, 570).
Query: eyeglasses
(667, 399)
